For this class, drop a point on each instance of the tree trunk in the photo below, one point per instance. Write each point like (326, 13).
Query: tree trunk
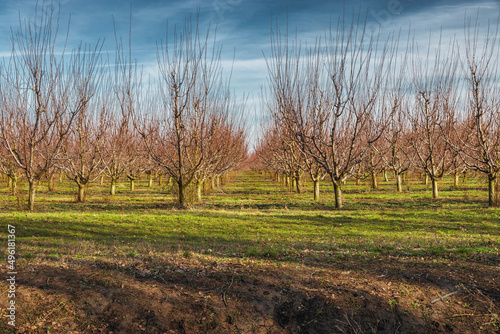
(455, 180)
(399, 182)
(199, 185)
(294, 184)
(50, 183)
(338, 195)
(435, 193)
(491, 190)
(316, 190)
(374, 180)
(31, 196)
(298, 185)
(132, 184)
(358, 181)
(13, 185)
(150, 180)
(465, 177)
(102, 180)
(386, 178)
(278, 177)
(81, 193)
(426, 179)
(206, 188)
(182, 194)
(10, 182)
(60, 177)
(112, 190)
(159, 180)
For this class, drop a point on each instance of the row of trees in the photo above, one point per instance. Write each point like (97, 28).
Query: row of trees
(351, 106)
(77, 113)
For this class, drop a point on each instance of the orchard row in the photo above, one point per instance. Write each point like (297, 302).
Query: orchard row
(350, 106)
(79, 115)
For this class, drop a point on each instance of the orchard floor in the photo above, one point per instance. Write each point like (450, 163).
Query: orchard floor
(253, 257)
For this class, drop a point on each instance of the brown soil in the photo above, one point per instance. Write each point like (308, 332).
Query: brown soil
(189, 294)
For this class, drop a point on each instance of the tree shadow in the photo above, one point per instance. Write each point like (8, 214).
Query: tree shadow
(213, 298)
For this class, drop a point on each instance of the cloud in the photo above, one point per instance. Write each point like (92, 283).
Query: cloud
(244, 27)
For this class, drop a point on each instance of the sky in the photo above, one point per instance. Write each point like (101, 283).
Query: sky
(243, 27)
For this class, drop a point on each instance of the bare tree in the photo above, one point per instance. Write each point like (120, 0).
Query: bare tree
(346, 96)
(83, 153)
(180, 128)
(435, 86)
(39, 106)
(394, 147)
(117, 155)
(327, 97)
(9, 168)
(477, 134)
(225, 146)
(398, 155)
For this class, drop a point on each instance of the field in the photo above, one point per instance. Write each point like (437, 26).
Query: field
(253, 257)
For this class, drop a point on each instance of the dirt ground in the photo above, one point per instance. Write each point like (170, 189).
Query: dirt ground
(187, 293)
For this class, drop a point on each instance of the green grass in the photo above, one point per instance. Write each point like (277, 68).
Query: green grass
(254, 217)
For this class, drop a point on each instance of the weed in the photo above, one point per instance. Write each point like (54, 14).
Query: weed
(133, 254)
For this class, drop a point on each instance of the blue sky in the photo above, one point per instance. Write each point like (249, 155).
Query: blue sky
(243, 27)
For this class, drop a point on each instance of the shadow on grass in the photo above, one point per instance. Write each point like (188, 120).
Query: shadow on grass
(291, 203)
(94, 206)
(326, 241)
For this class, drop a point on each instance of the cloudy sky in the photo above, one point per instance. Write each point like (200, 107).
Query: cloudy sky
(243, 26)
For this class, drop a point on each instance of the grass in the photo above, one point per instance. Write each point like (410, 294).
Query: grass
(255, 217)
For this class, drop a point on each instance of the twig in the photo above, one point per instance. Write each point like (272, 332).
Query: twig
(466, 315)
(180, 291)
(446, 296)
(163, 282)
(224, 292)
(162, 279)
(487, 293)
(385, 273)
(45, 317)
